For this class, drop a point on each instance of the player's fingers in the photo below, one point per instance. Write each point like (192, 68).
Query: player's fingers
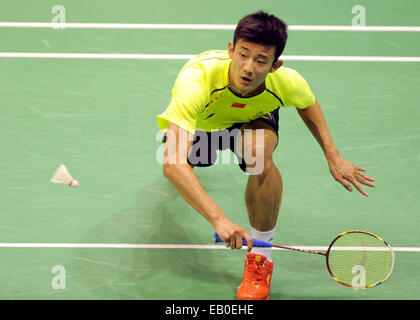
(365, 182)
(239, 241)
(361, 174)
(358, 187)
(366, 177)
(248, 241)
(232, 242)
(362, 178)
(345, 183)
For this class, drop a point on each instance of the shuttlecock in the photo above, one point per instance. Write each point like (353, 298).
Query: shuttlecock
(63, 176)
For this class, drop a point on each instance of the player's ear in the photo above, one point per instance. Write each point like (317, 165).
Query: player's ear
(231, 48)
(276, 65)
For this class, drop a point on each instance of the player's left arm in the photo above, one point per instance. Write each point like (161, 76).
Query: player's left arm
(342, 170)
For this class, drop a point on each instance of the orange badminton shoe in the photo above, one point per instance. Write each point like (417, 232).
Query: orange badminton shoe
(256, 281)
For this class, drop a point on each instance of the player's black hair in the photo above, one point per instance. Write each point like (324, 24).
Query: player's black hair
(262, 28)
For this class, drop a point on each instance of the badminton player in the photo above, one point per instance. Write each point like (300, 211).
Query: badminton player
(230, 99)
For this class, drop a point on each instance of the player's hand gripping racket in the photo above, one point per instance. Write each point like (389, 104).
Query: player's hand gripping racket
(357, 259)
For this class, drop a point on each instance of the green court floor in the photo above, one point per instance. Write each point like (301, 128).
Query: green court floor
(98, 117)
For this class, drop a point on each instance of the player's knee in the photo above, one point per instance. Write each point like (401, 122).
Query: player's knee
(257, 159)
(256, 147)
(260, 166)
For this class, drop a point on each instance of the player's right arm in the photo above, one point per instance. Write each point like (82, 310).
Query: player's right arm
(180, 173)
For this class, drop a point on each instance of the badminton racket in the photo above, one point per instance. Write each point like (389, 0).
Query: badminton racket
(355, 258)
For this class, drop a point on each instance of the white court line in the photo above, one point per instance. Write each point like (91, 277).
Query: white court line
(141, 56)
(160, 246)
(135, 56)
(153, 26)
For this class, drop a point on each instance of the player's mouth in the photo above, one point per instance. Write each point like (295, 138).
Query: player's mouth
(245, 80)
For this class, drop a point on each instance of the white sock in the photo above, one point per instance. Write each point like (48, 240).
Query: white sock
(266, 236)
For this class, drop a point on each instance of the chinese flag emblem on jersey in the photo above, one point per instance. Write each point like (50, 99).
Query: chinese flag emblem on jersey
(238, 105)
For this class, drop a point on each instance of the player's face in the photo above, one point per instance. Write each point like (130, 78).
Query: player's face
(251, 63)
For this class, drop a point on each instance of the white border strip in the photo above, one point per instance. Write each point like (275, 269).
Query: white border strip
(139, 56)
(151, 26)
(159, 246)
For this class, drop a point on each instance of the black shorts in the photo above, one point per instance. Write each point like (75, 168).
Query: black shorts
(206, 144)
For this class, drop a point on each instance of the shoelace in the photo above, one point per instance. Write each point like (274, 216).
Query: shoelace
(254, 271)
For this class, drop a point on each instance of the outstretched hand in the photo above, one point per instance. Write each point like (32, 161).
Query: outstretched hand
(349, 174)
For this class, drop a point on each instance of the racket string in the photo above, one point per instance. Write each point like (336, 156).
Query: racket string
(360, 259)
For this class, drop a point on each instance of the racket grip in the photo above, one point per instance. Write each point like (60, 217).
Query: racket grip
(255, 242)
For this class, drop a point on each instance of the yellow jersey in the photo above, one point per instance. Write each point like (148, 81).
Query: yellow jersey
(202, 99)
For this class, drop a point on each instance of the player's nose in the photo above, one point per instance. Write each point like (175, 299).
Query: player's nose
(247, 68)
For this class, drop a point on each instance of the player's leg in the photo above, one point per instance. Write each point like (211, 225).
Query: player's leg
(263, 199)
(264, 188)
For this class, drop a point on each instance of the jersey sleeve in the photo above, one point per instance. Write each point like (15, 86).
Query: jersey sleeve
(298, 93)
(189, 98)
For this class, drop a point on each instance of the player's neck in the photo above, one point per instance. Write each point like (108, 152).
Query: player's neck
(255, 92)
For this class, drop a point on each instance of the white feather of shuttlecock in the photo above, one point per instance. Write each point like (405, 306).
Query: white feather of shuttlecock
(63, 176)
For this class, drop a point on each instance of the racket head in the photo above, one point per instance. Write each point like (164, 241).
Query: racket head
(360, 259)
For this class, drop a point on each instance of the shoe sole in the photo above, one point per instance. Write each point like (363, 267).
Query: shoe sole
(266, 298)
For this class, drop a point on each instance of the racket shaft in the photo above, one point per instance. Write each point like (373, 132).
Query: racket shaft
(301, 250)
